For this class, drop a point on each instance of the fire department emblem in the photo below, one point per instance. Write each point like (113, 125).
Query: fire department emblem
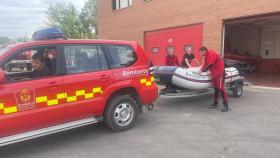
(25, 99)
(25, 95)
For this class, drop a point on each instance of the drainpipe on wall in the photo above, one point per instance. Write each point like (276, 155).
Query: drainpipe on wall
(223, 40)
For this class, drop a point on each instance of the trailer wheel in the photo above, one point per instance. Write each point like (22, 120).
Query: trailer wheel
(237, 90)
(150, 106)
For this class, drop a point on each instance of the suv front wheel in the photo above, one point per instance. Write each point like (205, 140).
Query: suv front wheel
(121, 113)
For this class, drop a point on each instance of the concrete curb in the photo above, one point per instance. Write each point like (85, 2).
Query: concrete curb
(267, 88)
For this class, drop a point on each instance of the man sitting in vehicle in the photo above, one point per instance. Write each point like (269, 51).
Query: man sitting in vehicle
(39, 67)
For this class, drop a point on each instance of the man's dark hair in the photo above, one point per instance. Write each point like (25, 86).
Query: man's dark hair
(203, 49)
(39, 56)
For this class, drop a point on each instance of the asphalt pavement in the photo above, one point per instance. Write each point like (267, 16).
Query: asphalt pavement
(176, 128)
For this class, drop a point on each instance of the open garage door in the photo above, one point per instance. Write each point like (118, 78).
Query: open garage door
(255, 43)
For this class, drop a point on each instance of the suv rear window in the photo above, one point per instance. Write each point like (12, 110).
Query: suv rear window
(121, 56)
(84, 58)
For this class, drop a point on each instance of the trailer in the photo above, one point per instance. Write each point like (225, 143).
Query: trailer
(189, 83)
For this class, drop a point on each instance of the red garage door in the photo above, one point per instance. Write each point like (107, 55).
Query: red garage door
(179, 38)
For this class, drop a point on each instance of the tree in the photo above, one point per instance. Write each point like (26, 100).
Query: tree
(22, 39)
(4, 40)
(73, 23)
(65, 17)
(88, 19)
(7, 40)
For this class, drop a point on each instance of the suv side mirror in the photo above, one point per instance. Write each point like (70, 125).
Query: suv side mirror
(2, 76)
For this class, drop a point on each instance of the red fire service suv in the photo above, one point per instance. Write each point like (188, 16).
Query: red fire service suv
(52, 84)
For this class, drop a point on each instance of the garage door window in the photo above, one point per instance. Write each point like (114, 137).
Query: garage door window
(155, 50)
(170, 48)
(186, 47)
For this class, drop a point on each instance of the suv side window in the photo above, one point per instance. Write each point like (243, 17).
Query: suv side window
(84, 58)
(103, 61)
(31, 63)
(121, 56)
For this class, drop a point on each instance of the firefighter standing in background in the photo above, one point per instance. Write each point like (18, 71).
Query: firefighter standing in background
(171, 59)
(214, 63)
(188, 58)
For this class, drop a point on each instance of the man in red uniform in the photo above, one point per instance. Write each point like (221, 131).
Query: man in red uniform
(214, 63)
(171, 59)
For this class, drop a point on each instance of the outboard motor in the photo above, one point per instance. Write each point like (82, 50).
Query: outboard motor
(164, 73)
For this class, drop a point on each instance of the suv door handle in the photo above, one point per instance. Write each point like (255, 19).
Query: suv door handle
(104, 77)
(53, 84)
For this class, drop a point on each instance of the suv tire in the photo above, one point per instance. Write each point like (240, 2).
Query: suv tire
(121, 113)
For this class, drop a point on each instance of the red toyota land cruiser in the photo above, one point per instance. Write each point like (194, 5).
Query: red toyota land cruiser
(84, 81)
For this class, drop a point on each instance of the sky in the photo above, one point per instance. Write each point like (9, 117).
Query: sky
(21, 17)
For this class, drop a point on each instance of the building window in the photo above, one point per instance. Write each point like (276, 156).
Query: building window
(155, 50)
(186, 47)
(170, 48)
(119, 4)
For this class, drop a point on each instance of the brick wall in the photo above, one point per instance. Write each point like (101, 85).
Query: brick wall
(131, 23)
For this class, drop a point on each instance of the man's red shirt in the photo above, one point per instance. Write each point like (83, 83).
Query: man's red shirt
(215, 63)
(172, 60)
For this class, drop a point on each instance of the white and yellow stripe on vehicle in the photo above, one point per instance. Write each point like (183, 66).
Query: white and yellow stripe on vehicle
(63, 96)
(81, 93)
(147, 81)
(8, 109)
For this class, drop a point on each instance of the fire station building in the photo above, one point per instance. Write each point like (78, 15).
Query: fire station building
(242, 30)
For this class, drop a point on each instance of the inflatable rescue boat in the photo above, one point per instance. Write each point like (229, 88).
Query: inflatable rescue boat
(189, 78)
